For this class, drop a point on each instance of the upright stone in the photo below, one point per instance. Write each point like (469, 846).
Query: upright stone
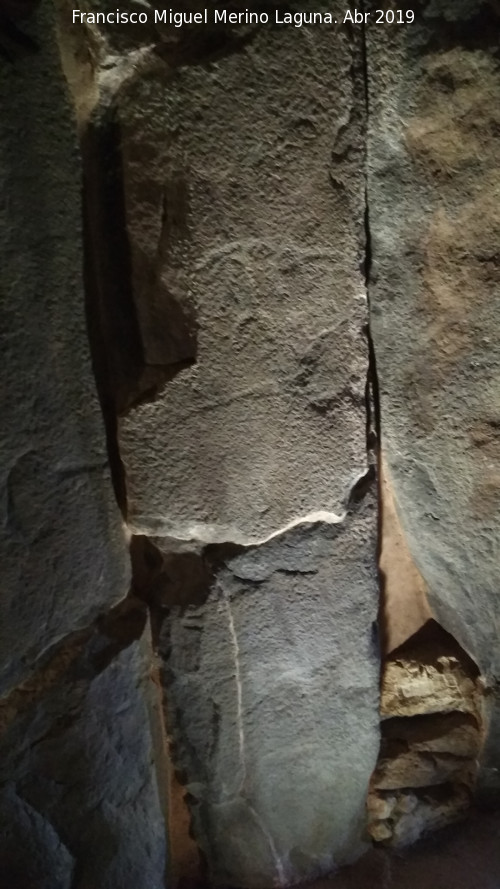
(62, 546)
(79, 804)
(433, 195)
(244, 193)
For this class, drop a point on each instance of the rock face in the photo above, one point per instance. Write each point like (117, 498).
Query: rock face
(269, 675)
(248, 191)
(63, 554)
(433, 188)
(79, 805)
(432, 734)
(246, 230)
(246, 236)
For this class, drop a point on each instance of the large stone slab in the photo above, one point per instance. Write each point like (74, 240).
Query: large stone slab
(79, 801)
(244, 199)
(271, 677)
(433, 193)
(62, 550)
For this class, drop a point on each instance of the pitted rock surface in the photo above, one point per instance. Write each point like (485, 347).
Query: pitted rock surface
(244, 201)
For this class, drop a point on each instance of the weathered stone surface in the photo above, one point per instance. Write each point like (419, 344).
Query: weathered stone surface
(410, 688)
(79, 806)
(432, 705)
(437, 733)
(424, 770)
(411, 814)
(32, 854)
(244, 199)
(62, 550)
(244, 206)
(433, 187)
(271, 685)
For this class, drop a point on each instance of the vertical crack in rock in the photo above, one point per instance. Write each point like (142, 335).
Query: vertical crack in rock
(112, 328)
(127, 370)
(373, 431)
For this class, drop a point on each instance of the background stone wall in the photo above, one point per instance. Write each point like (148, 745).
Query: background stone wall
(250, 295)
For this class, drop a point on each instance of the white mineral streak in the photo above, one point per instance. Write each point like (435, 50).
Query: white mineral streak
(239, 686)
(280, 869)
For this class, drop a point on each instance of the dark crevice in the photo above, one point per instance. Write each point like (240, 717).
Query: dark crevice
(430, 643)
(111, 319)
(198, 48)
(372, 388)
(372, 396)
(441, 32)
(126, 376)
(14, 42)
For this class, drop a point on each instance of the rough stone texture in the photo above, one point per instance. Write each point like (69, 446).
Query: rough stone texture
(271, 686)
(433, 188)
(228, 312)
(62, 550)
(79, 804)
(244, 435)
(244, 201)
(410, 687)
(432, 734)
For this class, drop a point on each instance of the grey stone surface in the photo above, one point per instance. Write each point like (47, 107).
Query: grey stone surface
(62, 550)
(272, 700)
(244, 199)
(31, 852)
(433, 190)
(80, 806)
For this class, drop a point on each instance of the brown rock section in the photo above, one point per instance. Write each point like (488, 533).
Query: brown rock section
(404, 606)
(432, 735)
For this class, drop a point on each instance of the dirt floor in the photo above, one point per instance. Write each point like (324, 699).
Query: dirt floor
(466, 856)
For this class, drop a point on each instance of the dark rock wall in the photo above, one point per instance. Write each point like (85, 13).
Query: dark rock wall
(61, 531)
(287, 241)
(79, 799)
